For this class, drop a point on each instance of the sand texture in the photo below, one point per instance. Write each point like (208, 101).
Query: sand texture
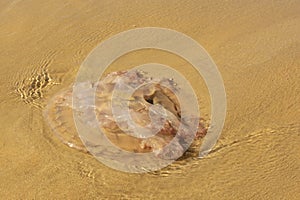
(256, 46)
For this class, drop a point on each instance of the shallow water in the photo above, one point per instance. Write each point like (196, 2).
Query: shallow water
(255, 46)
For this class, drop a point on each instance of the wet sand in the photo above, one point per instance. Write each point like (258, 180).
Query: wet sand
(256, 47)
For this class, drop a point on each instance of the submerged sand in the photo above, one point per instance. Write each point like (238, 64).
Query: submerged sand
(256, 47)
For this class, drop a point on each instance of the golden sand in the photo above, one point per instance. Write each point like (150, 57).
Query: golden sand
(256, 46)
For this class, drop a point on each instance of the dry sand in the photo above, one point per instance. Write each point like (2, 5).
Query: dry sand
(256, 46)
